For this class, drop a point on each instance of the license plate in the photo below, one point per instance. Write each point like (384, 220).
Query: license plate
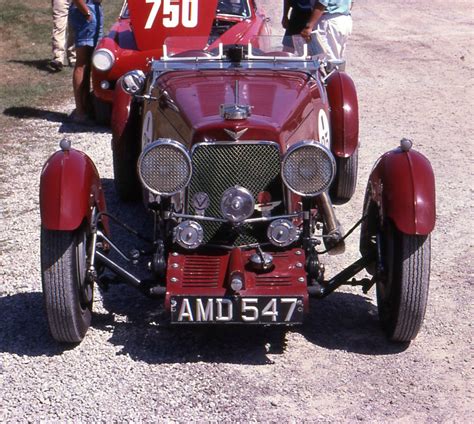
(242, 310)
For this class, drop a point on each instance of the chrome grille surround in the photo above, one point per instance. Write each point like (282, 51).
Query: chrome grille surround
(217, 166)
(308, 168)
(164, 167)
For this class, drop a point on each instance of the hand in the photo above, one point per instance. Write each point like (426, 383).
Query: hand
(284, 22)
(89, 18)
(306, 34)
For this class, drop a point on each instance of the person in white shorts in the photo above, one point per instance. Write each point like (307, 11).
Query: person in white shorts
(62, 40)
(329, 26)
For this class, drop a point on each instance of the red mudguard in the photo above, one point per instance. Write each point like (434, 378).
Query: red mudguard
(402, 185)
(344, 115)
(69, 188)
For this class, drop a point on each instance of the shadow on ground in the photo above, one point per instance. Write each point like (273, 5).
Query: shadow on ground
(23, 329)
(342, 321)
(67, 124)
(39, 64)
(139, 325)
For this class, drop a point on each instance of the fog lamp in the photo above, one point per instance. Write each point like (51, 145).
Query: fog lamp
(237, 204)
(103, 60)
(189, 234)
(282, 232)
(105, 85)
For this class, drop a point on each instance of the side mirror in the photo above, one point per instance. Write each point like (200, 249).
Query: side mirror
(133, 82)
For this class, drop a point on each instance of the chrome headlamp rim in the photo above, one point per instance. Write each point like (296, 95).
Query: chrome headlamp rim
(107, 52)
(138, 78)
(165, 142)
(297, 146)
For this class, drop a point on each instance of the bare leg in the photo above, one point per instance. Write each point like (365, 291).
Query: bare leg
(81, 80)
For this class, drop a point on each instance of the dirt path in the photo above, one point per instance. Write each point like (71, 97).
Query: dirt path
(412, 62)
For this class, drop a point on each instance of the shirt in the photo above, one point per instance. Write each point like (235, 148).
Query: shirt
(331, 6)
(337, 6)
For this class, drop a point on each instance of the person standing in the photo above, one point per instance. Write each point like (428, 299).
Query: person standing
(296, 14)
(328, 23)
(62, 39)
(86, 19)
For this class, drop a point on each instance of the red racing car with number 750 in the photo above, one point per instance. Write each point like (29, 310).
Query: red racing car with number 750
(238, 152)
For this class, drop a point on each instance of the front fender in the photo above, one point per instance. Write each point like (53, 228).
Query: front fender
(402, 185)
(344, 114)
(69, 189)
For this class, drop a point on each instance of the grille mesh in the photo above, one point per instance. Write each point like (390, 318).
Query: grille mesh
(216, 167)
(309, 170)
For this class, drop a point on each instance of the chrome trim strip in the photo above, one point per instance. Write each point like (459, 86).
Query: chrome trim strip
(234, 143)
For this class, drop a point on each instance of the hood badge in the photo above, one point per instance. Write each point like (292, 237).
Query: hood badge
(200, 202)
(236, 134)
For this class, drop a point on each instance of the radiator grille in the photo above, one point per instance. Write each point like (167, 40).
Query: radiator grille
(216, 167)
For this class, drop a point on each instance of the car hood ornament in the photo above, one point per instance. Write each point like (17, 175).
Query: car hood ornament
(235, 111)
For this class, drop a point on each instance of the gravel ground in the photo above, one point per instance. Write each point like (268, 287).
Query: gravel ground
(413, 65)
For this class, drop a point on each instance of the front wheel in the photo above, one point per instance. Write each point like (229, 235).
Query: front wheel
(402, 293)
(67, 293)
(125, 152)
(345, 181)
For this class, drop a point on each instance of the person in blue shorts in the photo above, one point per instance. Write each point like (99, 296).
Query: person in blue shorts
(86, 19)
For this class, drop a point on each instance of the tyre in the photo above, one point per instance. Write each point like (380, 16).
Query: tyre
(402, 292)
(102, 111)
(67, 294)
(125, 157)
(344, 184)
(125, 176)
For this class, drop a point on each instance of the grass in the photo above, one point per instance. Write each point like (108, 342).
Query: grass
(25, 49)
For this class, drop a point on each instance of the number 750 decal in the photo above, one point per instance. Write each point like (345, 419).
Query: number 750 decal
(175, 13)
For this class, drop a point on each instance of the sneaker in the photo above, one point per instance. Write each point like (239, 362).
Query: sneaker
(55, 66)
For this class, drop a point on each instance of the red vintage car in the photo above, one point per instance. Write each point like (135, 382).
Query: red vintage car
(238, 152)
(142, 26)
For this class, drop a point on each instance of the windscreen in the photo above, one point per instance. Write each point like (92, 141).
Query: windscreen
(261, 47)
(233, 7)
